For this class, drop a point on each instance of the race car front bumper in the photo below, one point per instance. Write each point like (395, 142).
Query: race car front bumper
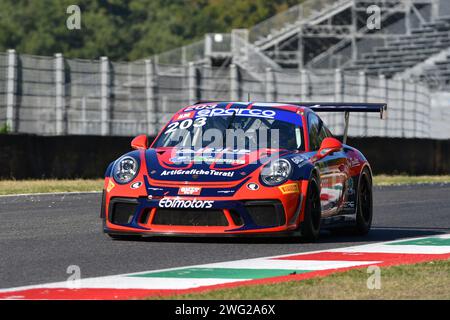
(192, 217)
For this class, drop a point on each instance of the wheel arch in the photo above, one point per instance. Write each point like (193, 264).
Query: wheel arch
(305, 172)
(109, 170)
(363, 167)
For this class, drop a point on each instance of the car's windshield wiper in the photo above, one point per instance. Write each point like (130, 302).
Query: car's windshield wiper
(232, 119)
(228, 127)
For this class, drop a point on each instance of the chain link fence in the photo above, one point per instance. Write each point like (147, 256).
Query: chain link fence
(3, 88)
(82, 96)
(35, 94)
(99, 97)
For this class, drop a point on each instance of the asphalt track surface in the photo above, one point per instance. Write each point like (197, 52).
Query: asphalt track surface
(42, 235)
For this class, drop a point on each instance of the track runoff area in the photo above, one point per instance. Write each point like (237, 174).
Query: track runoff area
(276, 269)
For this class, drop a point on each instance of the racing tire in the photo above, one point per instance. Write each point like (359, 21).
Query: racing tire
(310, 227)
(364, 209)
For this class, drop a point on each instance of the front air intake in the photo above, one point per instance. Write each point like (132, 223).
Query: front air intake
(266, 213)
(122, 212)
(180, 217)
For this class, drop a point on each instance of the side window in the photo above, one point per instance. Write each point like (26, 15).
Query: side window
(329, 134)
(313, 129)
(324, 132)
(317, 131)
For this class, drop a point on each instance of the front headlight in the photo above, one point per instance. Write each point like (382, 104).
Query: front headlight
(276, 172)
(125, 169)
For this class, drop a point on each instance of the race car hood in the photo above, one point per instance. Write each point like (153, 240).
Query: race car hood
(206, 165)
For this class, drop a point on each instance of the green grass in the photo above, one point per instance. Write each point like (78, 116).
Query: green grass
(48, 186)
(79, 185)
(385, 180)
(430, 280)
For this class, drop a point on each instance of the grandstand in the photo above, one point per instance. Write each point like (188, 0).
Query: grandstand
(438, 74)
(406, 51)
(329, 33)
(324, 34)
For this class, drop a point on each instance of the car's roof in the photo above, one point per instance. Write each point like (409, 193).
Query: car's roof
(248, 105)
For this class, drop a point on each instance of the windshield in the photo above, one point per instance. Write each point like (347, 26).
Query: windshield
(231, 130)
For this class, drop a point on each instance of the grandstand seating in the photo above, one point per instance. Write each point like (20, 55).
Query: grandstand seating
(415, 44)
(438, 74)
(406, 51)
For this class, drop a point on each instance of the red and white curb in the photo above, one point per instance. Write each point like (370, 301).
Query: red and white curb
(240, 272)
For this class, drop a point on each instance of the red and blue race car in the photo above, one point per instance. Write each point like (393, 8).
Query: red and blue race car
(241, 168)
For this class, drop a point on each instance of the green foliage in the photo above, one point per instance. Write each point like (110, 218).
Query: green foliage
(123, 29)
(4, 129)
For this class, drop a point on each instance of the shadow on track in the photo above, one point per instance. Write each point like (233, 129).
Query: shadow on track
(378, 234)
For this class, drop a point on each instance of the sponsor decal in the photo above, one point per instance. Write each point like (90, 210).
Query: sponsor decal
(299, 160)
(210, 160)
(349, 204)
(111, 186)
(155, 189)
(185, 204)
(354, 162)
(186, 115)
(270, 114)
(253, 186)
(201, 107)
(226, 191)
(181, 159)
(206, 159)
(189, 191)
(198, 172)
(208, 150)
(185, 124)
(136, 185)
(289, 188)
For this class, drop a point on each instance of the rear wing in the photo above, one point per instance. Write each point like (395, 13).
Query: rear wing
(346, 108)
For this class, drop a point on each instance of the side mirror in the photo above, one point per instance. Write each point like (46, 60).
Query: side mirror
(140, 142)
(329, 145)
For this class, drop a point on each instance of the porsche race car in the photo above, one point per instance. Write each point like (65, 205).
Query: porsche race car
(241, 168)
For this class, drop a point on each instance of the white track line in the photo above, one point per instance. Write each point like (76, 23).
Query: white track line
(267, 263)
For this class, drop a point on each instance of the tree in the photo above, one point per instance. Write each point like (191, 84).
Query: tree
(123, 29)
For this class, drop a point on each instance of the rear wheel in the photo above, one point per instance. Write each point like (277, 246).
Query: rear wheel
(364, 210)
(310, 227)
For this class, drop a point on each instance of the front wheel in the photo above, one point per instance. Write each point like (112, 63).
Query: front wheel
(310, 227)
(364, 210)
